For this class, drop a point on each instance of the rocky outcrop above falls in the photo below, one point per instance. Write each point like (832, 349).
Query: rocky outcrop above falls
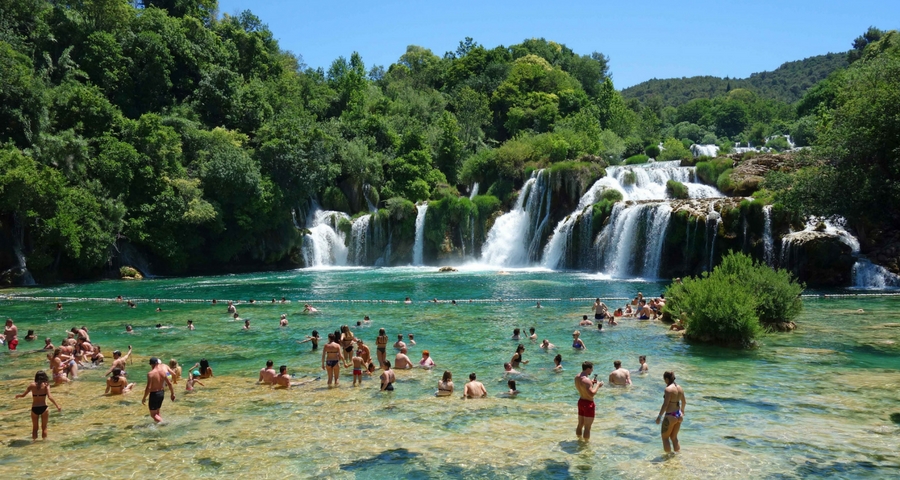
(748, 174)
(818, 258)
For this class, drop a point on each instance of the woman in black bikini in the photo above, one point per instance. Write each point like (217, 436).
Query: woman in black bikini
(40, 393)
(381, 347)
(671, 414)
(516, 360)
(445, 386)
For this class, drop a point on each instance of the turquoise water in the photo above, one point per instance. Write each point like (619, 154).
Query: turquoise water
(812, 403)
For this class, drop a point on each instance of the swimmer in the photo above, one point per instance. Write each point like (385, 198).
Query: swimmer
(191, 380)
(129, 329)
(538, 305)
(283, 322)
(474, 389)
(40, 393)
(585, 322)
(644, 368)
(546, 345)
(671, 413)
(117, 384)
(358, 364)
(532, 336)
(381, 346)
(307, 308)
(402, 361)
(399, 345)
(231, 307)
(236, 317)
(158, 309)
(331, 357)
(267, 374)
(517, 360)
(48, 344)
(557, 360)
(600, 310)
(445, 385)
(509, 370)
(407, 301)
(577, 343)
(587, 389)
(611, 319)
(427, 362)
(387, 378)
(515, 335)
(58, 307)
(190, 325)
(314, 338)
(620, 376)
(246, 325)
(412, 341)
(30, 336)
(366, 319)
(512, 389)
(283, 379)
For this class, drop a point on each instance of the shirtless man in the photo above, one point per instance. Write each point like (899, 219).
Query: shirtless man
(509, 370)
(402, 361)
(267, 374)
(11, 332)
(283, 321)
(306, 308)
(283, 379)
(48, 344)
(362, 350)
(584, 321)
(620, 376)
(157, 381)
(358, 365)
(587, 388)
(119, 361)
(331, 358)
(399, 345)
(474, 389)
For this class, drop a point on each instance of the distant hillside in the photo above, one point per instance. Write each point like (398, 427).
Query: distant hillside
(786, 83)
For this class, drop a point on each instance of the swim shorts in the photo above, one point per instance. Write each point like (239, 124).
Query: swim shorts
(156, 399)
(12, 344)
(585, 408)
(357, 371)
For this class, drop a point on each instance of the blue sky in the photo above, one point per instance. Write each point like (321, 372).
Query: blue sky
(644, 40)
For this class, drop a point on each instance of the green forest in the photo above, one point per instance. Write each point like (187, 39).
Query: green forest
(193, 138)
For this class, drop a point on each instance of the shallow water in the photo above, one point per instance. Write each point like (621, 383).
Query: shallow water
(812, 403)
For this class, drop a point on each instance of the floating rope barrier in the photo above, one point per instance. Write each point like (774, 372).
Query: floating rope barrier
(23, 298)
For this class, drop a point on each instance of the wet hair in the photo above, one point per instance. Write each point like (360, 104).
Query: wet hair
(399, 336)
(330, 337)
(40, 377)
(116, 373)
(48, 340)
(599, 325)
(586, 365)
(447, 376)
(584, 317)
(30, 332)
(269, 363)
(617, 364)
(315, 333)
(507, 365)
(520, 348)
(381, 331)
(282, 369)
(557, 359)
(642, 358)
(387, 364)
(511, 384)
(515, 331)
(669, 377)
(472, 376)
(204, 366)
(531, 330)
(173, 363)
(56, 352)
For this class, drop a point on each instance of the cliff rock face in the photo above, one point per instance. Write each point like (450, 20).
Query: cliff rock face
(748, 174)
(818, 258)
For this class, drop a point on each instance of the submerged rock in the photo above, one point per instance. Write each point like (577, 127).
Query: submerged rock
(447, 269)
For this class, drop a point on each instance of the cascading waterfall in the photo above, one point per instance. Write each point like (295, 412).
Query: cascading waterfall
(474, 191)
(419, 246)
(367, 192)
(868, 275)
(516, 235)
(18, 240)
(717, 220)
(324, 245)
(359, 234)
(632, 225)
(768, 242)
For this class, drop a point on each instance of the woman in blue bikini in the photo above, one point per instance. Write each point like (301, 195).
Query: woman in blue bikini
(671, 414)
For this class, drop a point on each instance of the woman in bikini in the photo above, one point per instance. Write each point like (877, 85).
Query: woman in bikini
(671, 414)
(445, 385)
(381, 347)
(387, 378)
(347, 344)
(117, 384)
(331, 358)
(205, 370)
(516, 360)
(577, 343)
(58, 366)
(40, 393)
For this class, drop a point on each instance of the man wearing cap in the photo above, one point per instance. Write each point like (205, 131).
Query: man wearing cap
(156, 388)
(119, 361)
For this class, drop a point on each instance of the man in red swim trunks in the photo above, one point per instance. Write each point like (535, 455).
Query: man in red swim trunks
(587, 388)
(12, 334)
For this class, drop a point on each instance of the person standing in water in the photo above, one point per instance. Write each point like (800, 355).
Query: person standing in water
(157, 381)
(381, 346)
(40, 393)
(387, 378)
(671, 414)
(587, 388)
(331, 358)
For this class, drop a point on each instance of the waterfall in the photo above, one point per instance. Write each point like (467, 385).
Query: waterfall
(868, 275)
(713, 215)
(648, 182)
(359, 234)
(367, 192)
(472, 234)
(419, 246)
(634, 225)
(516, 235)
(768, 242)
(18, 240)
(324, 244)
(474, 191)
(560, 241)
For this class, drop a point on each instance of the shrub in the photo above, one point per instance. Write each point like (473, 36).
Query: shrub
(732, 304)
(651, 151)
(708, 172)
(778, 143)
(501, 189)
(487, 205)
(629, 179)
(601, 211)
(334, 199)
(636, 159)
(442, 190)
(676, 189)
(611, 195)
(724, 182)
(673, 150)
(128, 272)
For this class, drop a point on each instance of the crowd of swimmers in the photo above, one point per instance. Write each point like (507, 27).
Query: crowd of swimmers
(344, 349)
